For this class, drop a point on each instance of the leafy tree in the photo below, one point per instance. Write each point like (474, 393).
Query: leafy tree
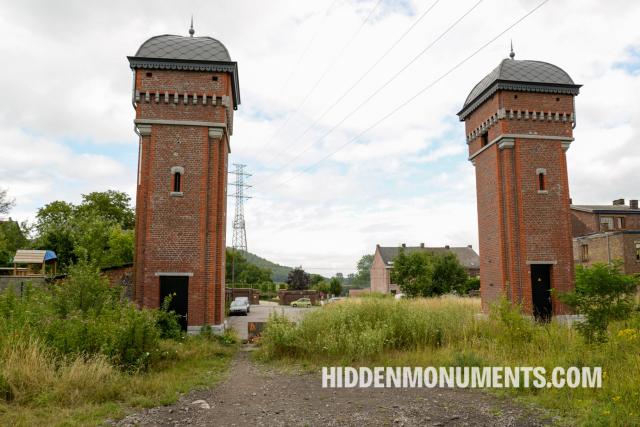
(5, 203)
(112, 206)
(448, 275)
(315, 279)
(298, 279)
(413, 273)
(363, 276)
(603, 294)
(238, 269)
(252, 275)
(99, 230)
(13, 236)
(322, 287)
(335, 287)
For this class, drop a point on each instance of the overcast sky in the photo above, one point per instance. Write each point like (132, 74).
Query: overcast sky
(334, 173)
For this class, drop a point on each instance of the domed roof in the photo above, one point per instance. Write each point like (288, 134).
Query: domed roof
(528, 76)
(168, 52)
(184, 48)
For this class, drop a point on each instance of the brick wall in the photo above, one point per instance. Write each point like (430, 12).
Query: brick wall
(183, 233)
(607, 247)
(518, 225)
(379, 274)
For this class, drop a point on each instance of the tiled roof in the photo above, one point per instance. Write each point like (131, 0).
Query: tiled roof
(184, 48)
(534, 76)
(466, 255)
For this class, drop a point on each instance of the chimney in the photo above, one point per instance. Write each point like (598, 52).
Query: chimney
(447, 247)
(404, 245)
(422, 245)
(570, 201)
(618, 202)
(633, 204)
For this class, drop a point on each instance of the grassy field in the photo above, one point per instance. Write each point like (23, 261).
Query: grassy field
(81, 391)
(76, 353)
(449, 331)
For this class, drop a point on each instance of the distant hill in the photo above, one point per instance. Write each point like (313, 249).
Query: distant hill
(279, 272)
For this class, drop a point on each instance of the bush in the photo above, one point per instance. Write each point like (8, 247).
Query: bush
(603, 294)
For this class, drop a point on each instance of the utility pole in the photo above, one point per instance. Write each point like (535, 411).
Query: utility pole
(239, 242)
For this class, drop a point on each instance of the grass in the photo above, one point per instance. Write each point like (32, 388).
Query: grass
(81, 391)
(449, 331)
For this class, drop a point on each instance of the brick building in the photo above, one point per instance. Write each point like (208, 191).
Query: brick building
(382, 265)
(519, 123)
(185, 92)
(605, 233)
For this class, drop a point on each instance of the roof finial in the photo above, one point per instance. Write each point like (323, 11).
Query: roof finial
(191, 30)
(512, 54)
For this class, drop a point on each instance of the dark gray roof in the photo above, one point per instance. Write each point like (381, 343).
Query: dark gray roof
(466, 255)
(511, 74)
(171, 52)
(606, 208)
(186, 48)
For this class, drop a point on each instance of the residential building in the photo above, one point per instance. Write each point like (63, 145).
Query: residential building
(382, 264)
(606, 233)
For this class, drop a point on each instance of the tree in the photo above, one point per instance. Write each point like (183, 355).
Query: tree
(322, 287)
(99, 230)
(112, 206)
(13, 236)
(314, 279)
(239, 270)
(298, 279)
(448, 275)
(413, 273)
(602, 294)
(5, 203)
(335, 287)
(363, 276)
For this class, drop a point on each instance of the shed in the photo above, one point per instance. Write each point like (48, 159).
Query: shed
(37, 257)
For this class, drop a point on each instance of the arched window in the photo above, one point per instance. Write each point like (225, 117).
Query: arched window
(176, 182)
(542, 180)
(177, 173)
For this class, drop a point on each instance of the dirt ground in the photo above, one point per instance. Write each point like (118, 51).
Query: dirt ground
(256, 395)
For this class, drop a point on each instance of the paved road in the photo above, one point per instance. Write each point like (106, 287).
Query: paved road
(260, 313)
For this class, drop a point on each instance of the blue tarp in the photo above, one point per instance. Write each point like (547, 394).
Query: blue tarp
(49, 255)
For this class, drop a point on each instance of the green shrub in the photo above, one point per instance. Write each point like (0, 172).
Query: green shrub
(603, 294)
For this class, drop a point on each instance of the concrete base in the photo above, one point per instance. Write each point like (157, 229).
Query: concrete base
(568, 319)
(216, 329)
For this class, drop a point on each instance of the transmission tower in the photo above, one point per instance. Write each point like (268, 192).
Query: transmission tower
(239, 229)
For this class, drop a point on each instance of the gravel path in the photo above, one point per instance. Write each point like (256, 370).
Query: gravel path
(255, 395)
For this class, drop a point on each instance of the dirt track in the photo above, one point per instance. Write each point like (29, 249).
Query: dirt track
(254, 395)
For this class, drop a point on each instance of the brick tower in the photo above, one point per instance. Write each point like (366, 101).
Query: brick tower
(519, 123)
(185, 92)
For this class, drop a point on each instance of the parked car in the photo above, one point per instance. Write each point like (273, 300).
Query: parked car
(302, 302)
(239, 307)
(334, 299)
(246, 301)
(400, 296)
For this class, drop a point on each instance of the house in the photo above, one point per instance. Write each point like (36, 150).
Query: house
(604, 233)
(382, 264)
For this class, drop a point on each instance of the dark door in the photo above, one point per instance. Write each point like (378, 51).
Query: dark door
(541, 291)
(178, 288)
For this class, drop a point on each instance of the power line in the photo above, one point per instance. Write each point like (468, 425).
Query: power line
(385, 84)
(357, 82)
(322, 76)
(417, 94)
